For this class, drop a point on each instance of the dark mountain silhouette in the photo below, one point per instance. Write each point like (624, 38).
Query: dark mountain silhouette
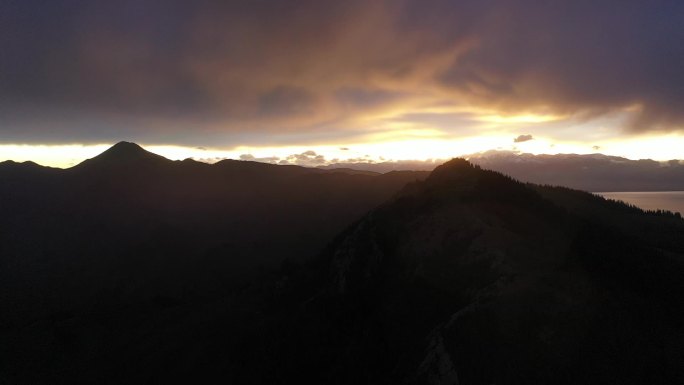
(149, 273)
(589, 172)
(128, 229)
(122, 154)
(471, 277)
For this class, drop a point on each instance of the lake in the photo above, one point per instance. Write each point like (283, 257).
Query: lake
(651, 200)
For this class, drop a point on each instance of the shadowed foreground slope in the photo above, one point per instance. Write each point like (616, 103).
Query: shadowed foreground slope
(471, 277)
(467, 277)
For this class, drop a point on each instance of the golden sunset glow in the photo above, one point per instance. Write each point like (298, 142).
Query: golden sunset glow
(385, 146)
(517, 119)
(350, 192)
(384, 80)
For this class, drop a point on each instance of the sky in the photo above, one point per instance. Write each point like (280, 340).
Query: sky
(315, 81)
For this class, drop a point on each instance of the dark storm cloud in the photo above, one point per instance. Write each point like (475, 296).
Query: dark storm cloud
(359, 97)
(177, 70)
(287, 101)
(580, 55)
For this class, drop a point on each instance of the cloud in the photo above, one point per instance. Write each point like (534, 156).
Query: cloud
(384, 167)
(307, 159)
(252, 158)
(523, 138)
(312, 159)
(286, 101)
(205, 71)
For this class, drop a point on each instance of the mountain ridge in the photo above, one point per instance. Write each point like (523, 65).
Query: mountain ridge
(593, 172)
(256, 273)
(588, 172)
(473, 277)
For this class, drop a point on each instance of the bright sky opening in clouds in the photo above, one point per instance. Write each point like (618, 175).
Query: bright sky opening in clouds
(659, 148)
(389, 80)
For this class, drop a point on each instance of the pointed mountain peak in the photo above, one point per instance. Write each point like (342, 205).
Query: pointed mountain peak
(126, 145)
(457, 169)
(124, 153)
(126, 149)
(459, 175)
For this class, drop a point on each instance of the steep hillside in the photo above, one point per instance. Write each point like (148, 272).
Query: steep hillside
(467, 276)
(471, 277)
(129, 226)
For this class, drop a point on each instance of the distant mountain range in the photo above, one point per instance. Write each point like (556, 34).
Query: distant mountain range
(593, 172)
(135, 224)
(131, 268)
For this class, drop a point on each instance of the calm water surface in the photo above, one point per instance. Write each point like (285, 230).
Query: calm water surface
(652, 200)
